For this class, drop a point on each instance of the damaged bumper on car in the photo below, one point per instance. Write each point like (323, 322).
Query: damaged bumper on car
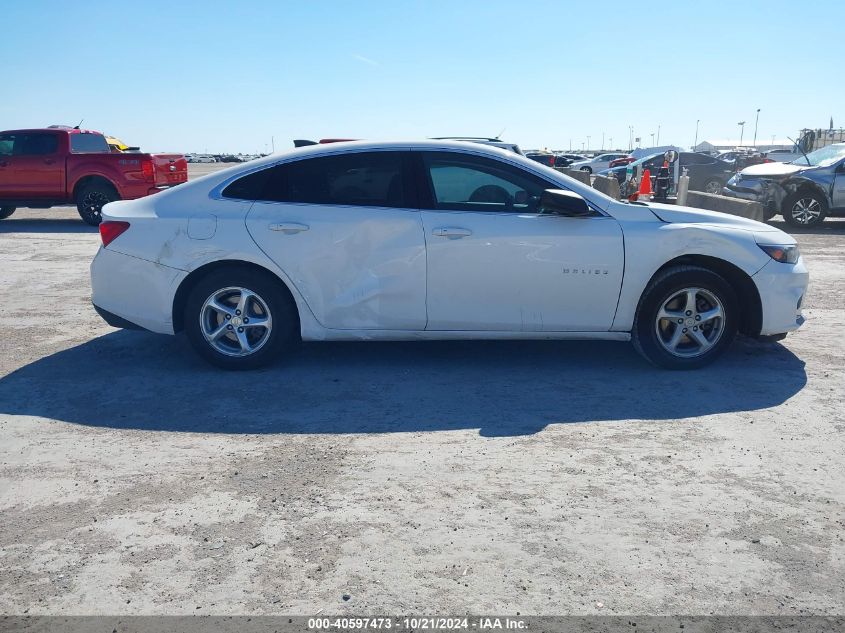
(767, 192)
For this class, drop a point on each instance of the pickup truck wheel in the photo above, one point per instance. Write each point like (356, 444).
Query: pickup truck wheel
(5, 212)
(804, 209)
(91, 200)
(686, 318)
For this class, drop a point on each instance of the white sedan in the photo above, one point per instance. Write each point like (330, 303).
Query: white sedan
(596, 164)
(434, 240)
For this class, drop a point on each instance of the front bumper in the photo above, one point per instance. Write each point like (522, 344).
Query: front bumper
(769, 194)
(782, 288)
(126, 289)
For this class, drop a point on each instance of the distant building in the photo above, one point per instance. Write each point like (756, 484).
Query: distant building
(723, 145)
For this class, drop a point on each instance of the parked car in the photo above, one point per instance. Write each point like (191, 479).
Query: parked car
(596, 164)
(784, 155)
(46, 167)
(804, 191)
(618, 162)
(706, 173)
(493, 142)
(544, 158)
(339, 243)
(203, 158)
(565, 160)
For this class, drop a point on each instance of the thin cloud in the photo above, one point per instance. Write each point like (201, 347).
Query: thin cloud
(365, 60)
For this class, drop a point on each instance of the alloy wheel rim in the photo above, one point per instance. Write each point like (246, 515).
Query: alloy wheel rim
(806, 210)
(93, 203)
(713, 187)
(235, 321)
(690, 322)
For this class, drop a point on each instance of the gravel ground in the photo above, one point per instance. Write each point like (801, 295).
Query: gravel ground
(544, 478)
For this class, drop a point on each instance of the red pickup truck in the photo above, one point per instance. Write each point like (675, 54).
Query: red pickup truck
(55, 166)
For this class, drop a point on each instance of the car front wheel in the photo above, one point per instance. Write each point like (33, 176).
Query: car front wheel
(239, 318)
(714, 185)
(589, 170)
(804, 209)
(686, 319)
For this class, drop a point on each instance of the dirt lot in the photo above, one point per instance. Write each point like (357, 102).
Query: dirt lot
(443, 477)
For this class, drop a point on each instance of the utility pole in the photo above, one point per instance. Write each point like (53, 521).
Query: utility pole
(756, 120)
(741, 125)
(695, 143)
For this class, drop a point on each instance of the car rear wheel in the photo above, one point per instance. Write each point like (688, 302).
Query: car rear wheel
(589, 170)
(686, 319)
(5, 212)
(239, 318)
(714, 185)
(92, 198)
(804, 209)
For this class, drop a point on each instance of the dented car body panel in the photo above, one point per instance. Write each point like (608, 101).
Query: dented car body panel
(359, 272)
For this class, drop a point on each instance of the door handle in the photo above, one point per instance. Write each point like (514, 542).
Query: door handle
(453, 233)
(289, 228)
(49, 161)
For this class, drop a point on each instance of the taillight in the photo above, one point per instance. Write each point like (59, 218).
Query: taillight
(110, 230)
(149, 170)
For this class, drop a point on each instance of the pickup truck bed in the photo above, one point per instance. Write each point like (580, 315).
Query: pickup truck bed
(55, 166)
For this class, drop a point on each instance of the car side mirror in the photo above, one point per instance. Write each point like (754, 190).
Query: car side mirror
(671, 156)
(566, 203)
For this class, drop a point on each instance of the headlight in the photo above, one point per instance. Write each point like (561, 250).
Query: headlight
(782, 254)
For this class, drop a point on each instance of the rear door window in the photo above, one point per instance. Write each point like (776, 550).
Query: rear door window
(369, 179)
(83, 143)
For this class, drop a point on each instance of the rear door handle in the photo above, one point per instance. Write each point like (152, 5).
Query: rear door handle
(452, 232)
(289, 228)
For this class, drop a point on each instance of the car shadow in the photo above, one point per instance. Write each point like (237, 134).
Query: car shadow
(135, 380)
(45, 225)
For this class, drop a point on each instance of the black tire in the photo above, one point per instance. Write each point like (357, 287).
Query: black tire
(5, 212)
(713, 185)
(797, 209)
(589, 170)
(282, 312)
(92, 198)
(649, 333)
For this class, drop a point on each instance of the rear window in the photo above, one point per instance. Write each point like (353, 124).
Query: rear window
(357, 179)
(88, 144)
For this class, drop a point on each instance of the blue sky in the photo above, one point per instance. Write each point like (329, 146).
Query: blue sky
(226, 76)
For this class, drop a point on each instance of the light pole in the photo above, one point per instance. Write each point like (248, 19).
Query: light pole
(630, 138)
(755, 126)
(588, 141)
(602, 141)
(652, 139)
(610, 140)
(741, 125)
(695, 144)
(658, 136)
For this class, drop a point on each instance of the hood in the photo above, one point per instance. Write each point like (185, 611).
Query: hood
(686, 215)
(773, 169)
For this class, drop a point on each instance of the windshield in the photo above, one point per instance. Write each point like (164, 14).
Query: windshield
(823, 157)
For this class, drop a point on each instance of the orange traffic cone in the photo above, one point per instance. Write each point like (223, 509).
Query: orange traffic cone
(645, 184)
